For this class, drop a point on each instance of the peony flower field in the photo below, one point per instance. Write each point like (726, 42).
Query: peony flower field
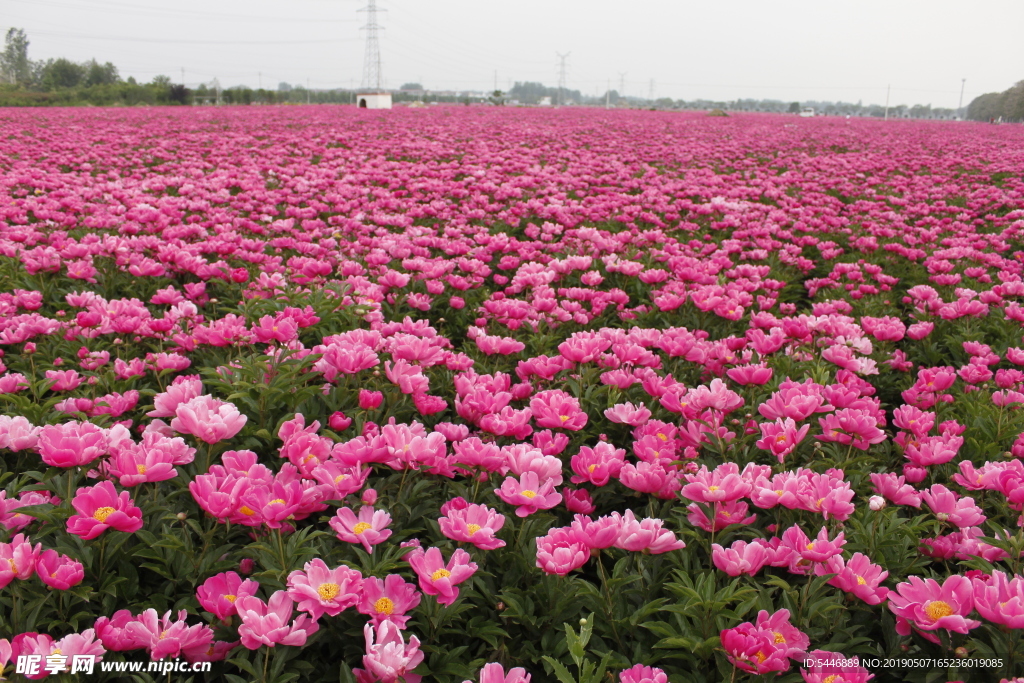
(508, 395)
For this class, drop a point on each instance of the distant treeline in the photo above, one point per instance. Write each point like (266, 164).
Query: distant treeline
(1007, 105)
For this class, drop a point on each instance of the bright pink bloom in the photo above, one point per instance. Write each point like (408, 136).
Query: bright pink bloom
(781, 437)
(319, 590)
(164, 637)
(208, 419)
(627, 413)
(100, 508)
(528, 494)
(561, 550)
(495, 673)
(476, 524)
(439, 579)
(388, 600)
(270, 623)
(1000, 599)
(597, 534)
(638, 673)
(858, 576)
(754, 649)
(59, 571)
(71, 444)
(219, 593)
(891, 486)
(18, 559)
(741, 557)
(369, 528)
(851, 426)
(388, 658)
(597, 465)
(578, 500)
(182, 390)
(370, 400)
(928, 606)
(556, 409)
(726, 514)
(645, 535)
(17, 433)
(831, 667)
(722, 484)
(750, 374)
(948, 507)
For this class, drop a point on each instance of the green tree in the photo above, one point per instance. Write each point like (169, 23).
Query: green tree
(100, 74)
(794, 108)
(62, 73)
(14, 62)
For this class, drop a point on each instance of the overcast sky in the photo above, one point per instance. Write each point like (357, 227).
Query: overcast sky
(773, 49)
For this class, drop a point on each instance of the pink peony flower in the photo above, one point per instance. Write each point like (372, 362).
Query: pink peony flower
(529, 494)
(59, 571)
(208, 419)
(638, 673)
(645, 535)
(369, 528)
(388, 658)
(388, 600)
(219, 593)
(166, 638)
(495, 673)
(928, 606)
(561, 550)
(71, 444)
(319, 590)
(100, 508)
(438, 579)
(270, 623)
(476, 524)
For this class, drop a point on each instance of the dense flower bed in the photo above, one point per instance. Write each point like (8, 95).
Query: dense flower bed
(321, 394)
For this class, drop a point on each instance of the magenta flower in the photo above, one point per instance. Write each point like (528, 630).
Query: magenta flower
(851, 426)
(627, 413)
(319, 590)
(71, 444)
(597, 465)
(645, 535)
(219, 593)
(18, 559)
(638, 673)
(270, 623)
(388, 658)
(928, 606)
(113, 631)
(529, 494)
(597, 534)
(754, 649)
(1000, 600)
(858, 576)
(182, 390)
(556, 409)
(388, 600)
(166, 638)
(100, 508)
(59, 571)
(741, 557)
(495, 673)
(833, 667)
(208, 419)
(781, 437)
(561, 551)
(723, 484)
(369, 528)
(437, 578)
(476, 524)
(893, 488)
(948, 507)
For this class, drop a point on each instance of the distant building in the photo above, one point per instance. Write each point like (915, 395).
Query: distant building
(373, 100)
(807, 112)
(545, 101)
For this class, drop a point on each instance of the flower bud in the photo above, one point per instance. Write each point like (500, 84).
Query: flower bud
(876, 503)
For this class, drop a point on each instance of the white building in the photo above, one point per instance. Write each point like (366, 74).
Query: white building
(373, 100)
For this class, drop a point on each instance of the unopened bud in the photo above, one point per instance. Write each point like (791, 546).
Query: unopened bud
(961, 652)
(583, 622)
(182, 516)
(876, 503)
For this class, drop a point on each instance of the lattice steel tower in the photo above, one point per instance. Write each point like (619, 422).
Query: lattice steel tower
(373, 75)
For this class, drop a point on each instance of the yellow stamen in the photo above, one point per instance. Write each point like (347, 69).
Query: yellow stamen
(230, 598)
(936, 609)
(384, 606)
(102, 513)
(141, 469)
(473, 528)
(528, 493)
(328, 591)
(440, 574)
(361, 527)
(247, 511)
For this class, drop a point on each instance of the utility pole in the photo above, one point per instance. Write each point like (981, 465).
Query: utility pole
(622, 84)
(261, 80)
(307, 90)
(650, 91)
(887, 89)
(373, 75)
(495, 80)
(960, 107)
(561, 77)
(183, 77)
(608, 95)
